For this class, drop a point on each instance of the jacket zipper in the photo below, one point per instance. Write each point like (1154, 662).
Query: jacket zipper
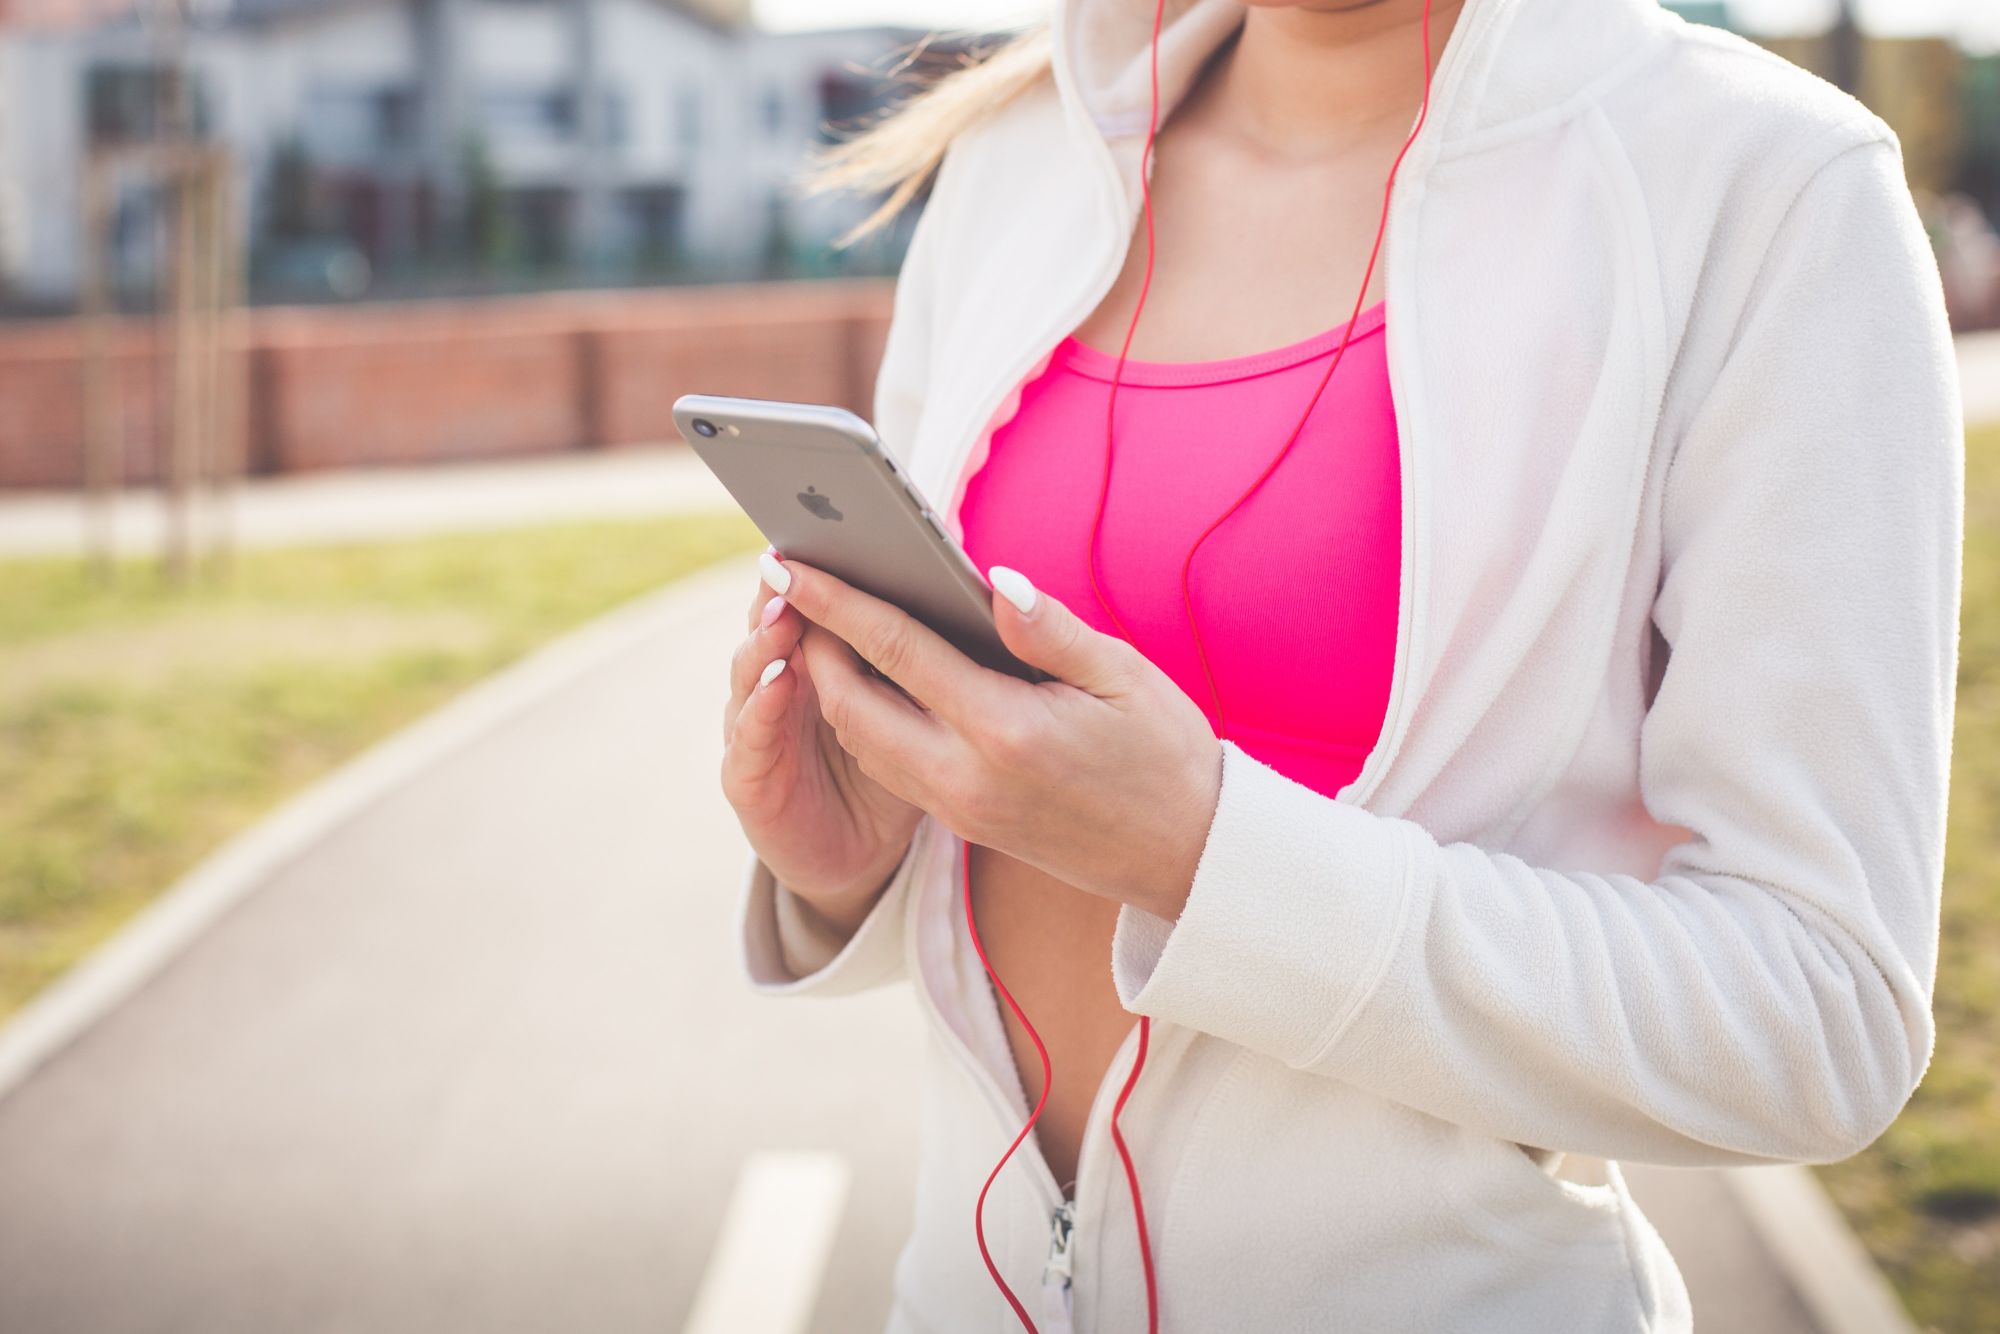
(1056, 1274)
(1059, 1269)
(1062, 1225)
(945, 507)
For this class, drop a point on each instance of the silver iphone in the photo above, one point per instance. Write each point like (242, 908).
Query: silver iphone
(819, 485)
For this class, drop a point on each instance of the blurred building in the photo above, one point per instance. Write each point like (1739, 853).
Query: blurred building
(1714, 13)
(417, 146)
(59, 13)
(441, 140)
(1944, 105)
(1916, 84)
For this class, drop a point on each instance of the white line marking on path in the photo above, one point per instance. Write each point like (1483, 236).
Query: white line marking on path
(773, 1246)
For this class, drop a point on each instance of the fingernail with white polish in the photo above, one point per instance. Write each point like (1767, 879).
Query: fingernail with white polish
(1014, 586)
(771, 610)
(775, 574)
(771, 669)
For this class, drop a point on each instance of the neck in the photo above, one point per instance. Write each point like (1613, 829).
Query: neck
(1300, 81)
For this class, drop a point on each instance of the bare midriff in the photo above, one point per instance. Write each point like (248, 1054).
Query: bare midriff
(1051, 945)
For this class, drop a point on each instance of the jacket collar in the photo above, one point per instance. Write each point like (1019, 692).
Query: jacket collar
(1505, 60)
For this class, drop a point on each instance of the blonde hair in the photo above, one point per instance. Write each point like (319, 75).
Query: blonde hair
(904, 144)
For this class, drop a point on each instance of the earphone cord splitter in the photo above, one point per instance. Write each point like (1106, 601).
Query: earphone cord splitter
(1215, 696)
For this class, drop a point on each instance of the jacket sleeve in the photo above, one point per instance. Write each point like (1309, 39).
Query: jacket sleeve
(783, 951)
(1767, 997)
(786, 952)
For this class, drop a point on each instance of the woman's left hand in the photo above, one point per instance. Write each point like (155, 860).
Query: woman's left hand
(1106, 777)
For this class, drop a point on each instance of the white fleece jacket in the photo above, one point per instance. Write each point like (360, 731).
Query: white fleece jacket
(1646, 862)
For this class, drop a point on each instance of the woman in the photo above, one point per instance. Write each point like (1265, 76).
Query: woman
(1549, 759)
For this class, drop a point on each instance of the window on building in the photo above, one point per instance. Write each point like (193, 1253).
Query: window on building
(360, 123)
(541, 218)
(529, 113)
(844, 100)
(687, 117)
(655, 220)
(123, 102)
(617, 118)
(398, 113)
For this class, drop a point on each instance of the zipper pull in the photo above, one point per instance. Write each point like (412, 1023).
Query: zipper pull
(1062, 1234)
(1057, 1272)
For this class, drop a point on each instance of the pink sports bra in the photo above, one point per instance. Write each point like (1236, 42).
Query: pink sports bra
(1296, 593)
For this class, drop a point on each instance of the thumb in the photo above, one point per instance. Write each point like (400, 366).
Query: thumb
(1043, 633)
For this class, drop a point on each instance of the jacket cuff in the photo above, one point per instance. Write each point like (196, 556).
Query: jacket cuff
(786, 951)
(807, 942)
(1293, 913)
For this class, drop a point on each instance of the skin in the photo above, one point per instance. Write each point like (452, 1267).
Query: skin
(1097, 789)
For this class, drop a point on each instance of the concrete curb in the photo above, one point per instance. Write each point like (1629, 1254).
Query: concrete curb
(122, 965)
(1824, 1261)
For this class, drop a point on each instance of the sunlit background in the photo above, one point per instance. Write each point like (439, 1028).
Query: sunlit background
(367, 949)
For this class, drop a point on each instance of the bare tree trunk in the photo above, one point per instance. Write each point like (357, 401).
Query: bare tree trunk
(593, 217)
(233, 375)
(103, 399)
(440, 32)
(183, 458)
(177, 313)
(1845, 40)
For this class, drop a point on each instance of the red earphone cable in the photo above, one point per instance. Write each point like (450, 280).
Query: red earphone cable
(978, 1209)
(1187, 602)
(1111, 404)
(1097, 520)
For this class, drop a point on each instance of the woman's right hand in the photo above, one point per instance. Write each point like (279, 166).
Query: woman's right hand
(828, 832)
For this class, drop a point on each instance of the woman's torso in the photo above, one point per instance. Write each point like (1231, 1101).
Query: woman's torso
(1295, 595)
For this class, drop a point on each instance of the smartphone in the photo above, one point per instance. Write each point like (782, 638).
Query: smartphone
(820, 486)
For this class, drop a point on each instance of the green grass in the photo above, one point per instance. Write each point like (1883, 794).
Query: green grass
(141, 726)
(1925, 1198)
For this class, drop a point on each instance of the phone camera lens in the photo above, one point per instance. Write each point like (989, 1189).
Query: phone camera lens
(704, 426)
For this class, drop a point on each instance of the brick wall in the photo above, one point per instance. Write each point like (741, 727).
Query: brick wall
(428, 382)
(41, 403)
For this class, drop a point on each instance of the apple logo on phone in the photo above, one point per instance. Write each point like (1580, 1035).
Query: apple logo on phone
(818, 505)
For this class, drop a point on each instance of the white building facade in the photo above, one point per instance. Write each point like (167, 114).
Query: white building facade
(596, 133)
